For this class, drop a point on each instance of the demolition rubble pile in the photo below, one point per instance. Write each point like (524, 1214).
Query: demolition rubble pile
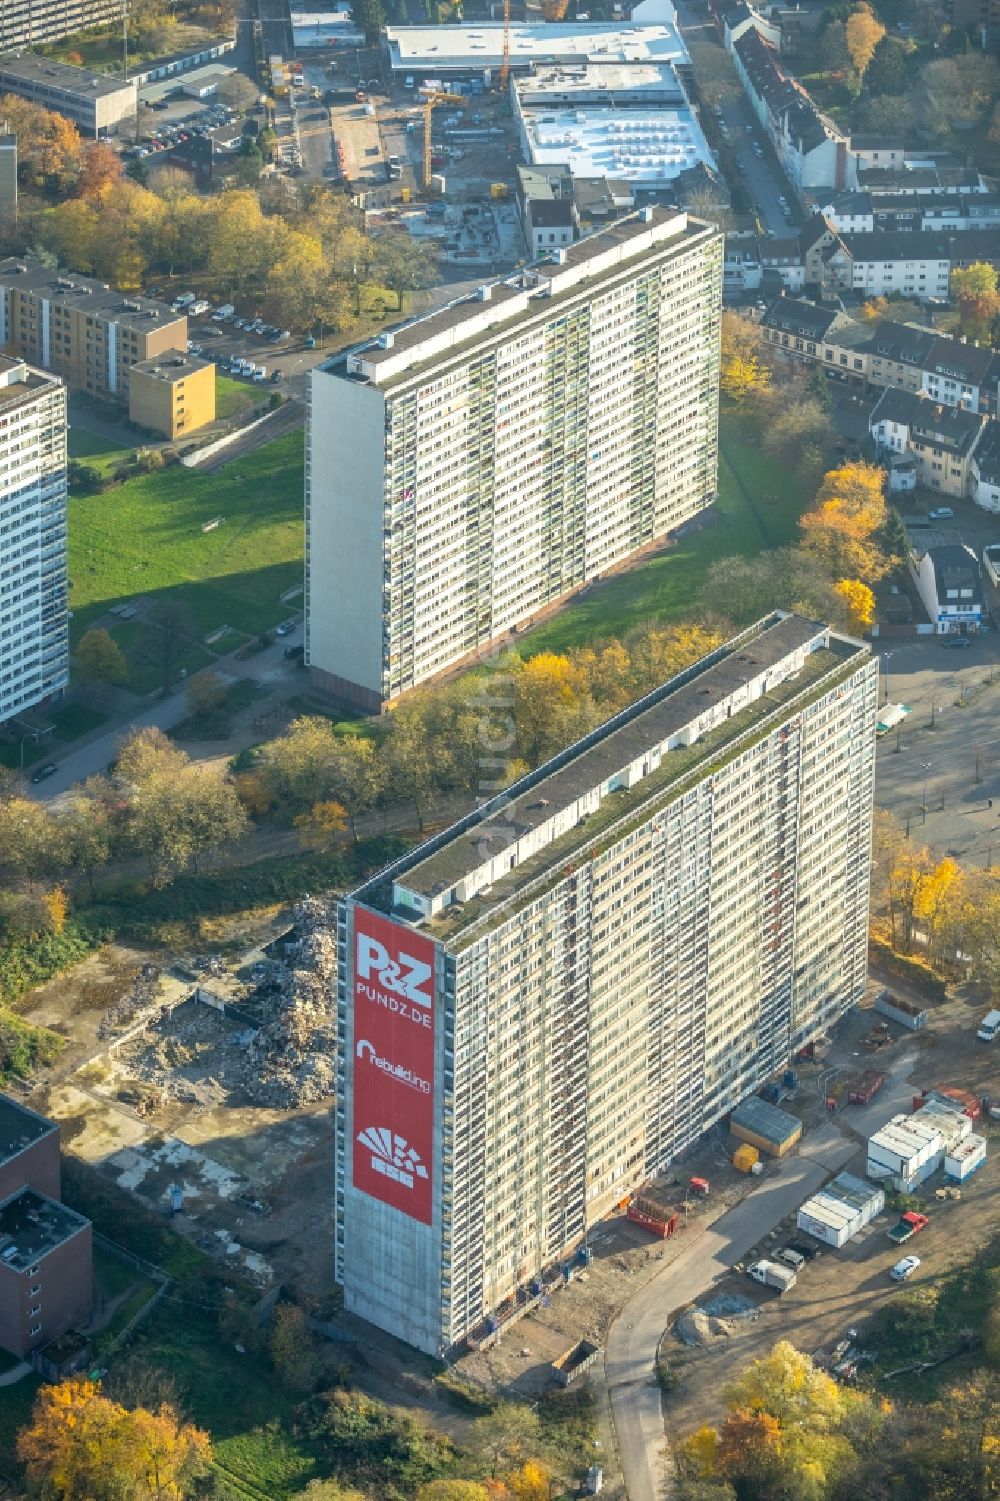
(289, 1059)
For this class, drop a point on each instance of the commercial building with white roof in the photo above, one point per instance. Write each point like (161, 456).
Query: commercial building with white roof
(631, 122)
(477, 51)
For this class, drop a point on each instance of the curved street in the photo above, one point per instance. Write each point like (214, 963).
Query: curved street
(630, 1358)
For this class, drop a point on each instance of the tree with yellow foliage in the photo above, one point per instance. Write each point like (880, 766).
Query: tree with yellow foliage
(529, 1482)
(842, 527)
(319, 826)
(552, 707)
(860, 602)
(862, 32)
(79, 1446)
(743, 370)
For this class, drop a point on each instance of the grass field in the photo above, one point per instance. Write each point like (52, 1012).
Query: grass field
(235, 396)
(100, 453)
(145, 539)
(758, 507)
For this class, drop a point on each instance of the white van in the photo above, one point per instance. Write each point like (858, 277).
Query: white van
(989, 1026)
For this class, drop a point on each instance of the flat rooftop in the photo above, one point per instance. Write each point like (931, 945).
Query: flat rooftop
(32, 1225)
(19, 1126)
(172, 365)
(641, 145)
(473, 49)
(27, 67)
(96, 297)
(439, 864)
(18, 381)
(530, 293)
(612, 80)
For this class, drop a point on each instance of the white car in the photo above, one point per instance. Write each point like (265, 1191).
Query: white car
(904, 1268)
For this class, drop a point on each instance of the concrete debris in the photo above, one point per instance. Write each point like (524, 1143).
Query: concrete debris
(203, 1054)
(289, 1059)
(142, 992)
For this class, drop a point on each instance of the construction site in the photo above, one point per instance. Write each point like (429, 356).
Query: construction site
(206, 1089)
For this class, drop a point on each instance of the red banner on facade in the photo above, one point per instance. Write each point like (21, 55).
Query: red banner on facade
(393, 1064)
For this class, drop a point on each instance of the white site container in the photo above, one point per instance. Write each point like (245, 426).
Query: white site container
(961, 1162)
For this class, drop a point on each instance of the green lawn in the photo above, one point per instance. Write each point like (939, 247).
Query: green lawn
(145, 539)
(758, 507)
(145, 676)
(100, 453)
(234, 396)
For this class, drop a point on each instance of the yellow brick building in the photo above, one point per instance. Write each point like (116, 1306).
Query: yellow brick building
(173, 394)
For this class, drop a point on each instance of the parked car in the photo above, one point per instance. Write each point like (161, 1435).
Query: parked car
(291, 652)
(804, 1249)
(260, 373)
(276, 375)
(48, 770)
(285, 628)
(956, 643)
(904, 1268)
(791, 1258)
(941, 513)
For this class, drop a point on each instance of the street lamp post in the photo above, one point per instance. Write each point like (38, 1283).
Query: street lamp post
(923, 801)
(886, 659)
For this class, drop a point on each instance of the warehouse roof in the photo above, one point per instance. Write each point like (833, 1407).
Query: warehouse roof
(472, 49)
(651, 145)
(46, 72)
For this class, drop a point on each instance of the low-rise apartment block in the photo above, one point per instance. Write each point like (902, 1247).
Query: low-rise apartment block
(81, 329)
(480, 464)
(46, 1273)
(34, 606)
(34, 23)
(940, 439)
(540, 1008)
(901, 356)
(97, 103)
(173, 394)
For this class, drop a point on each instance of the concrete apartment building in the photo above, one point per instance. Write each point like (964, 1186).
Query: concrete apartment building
(81, 329)
(542, 1006)
(46, 1272)
(173, 395)
(97, 103)
(33, 23)
(480, 464)
(34, 608)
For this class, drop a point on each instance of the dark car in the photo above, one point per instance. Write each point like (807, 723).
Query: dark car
(803, 1248)
(291, 652)
(48, 770)
(956, 643)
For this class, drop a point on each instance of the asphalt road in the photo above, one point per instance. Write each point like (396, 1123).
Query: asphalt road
(761, 175)
(630, 1358)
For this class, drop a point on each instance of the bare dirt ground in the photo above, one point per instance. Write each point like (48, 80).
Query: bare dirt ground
(157, 1092)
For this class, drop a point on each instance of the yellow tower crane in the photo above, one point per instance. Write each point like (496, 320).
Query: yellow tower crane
(505, 60)
(431, 101)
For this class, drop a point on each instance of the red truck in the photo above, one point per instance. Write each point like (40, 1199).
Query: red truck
(911, 1223)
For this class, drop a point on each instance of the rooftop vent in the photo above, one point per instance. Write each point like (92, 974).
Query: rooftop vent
(386, 340)
(484, 293)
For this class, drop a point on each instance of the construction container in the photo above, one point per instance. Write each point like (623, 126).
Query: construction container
(866, 1088)
(961, 1162)
(837, 1212)
(652, 1217)
(898, 1009)
(945, 1094)
(437, 185)
(765, 1126)
(572, 1363)
(745, 1156)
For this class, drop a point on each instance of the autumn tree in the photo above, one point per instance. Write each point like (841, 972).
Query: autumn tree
(552, 706)
(163, 643)
(99, 658)
(859, 602)
(975, 291)
(506, 1436)
(862, 34)
(175, 810)
(404, 264)
(81, 1446)
(238, 91)
(100, 170)
(454, 1490)
(321, 824)
(744, 370)
(842, 527)
(206, 693)
(48, 145)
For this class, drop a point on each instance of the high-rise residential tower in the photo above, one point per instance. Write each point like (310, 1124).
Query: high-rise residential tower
(542, 1006)
(34, 613)
(480, 464)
